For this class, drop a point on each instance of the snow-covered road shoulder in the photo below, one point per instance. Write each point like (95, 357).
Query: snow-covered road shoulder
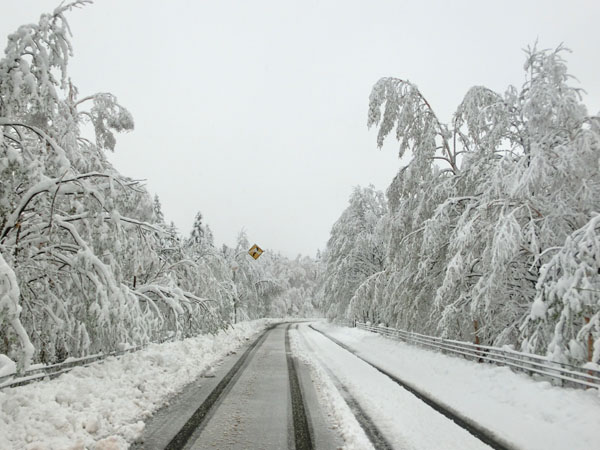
(339, 414)
(103, 406)
(531, 414)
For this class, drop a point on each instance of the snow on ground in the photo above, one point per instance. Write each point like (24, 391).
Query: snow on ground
(405, 421)
(528, 413)
(334, 405)
(103, 406)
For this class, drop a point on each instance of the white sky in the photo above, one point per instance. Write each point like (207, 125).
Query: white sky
(254, 112)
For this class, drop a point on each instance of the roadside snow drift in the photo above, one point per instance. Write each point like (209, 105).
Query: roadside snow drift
(103, 406)
(528, 413)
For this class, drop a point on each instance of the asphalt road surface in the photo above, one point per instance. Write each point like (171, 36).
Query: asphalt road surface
(260, 398)
(265, 398)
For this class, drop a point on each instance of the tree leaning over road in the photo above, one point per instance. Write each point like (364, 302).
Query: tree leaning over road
(87, 262)
(76, 234)
(491, 230)
(355, 251)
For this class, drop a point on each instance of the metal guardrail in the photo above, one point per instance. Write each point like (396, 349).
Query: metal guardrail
(54, 370)
(564, 374)
(40, 372)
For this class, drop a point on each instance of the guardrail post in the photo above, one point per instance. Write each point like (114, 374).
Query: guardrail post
(477, 342)
(560, 380)
(590, 345)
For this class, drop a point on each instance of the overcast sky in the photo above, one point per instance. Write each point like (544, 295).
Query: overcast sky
(254, 112)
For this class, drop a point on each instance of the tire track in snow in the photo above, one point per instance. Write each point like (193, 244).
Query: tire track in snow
(483, 434)
(302, 434)
(199, 417)
(373, 433)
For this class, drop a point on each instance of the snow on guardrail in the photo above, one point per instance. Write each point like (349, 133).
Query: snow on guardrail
(563, 374)
(39, 371)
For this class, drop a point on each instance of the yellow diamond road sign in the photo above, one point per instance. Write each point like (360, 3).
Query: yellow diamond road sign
(255, 251)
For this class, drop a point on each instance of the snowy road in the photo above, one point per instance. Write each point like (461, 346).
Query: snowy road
(295, 388)
(261, 398)
(391, 416)
(254, 414)
(237, 389)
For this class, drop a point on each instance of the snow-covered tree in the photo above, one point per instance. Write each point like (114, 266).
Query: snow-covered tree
(78, 237)
(490, 233)
(565, 317)
(198, 232)
(297, 280)
(355, 251)
(159, 217)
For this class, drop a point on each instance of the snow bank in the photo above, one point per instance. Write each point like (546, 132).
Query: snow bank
(103, 406)
(531, 414)
(337, 408)
(7, 366)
